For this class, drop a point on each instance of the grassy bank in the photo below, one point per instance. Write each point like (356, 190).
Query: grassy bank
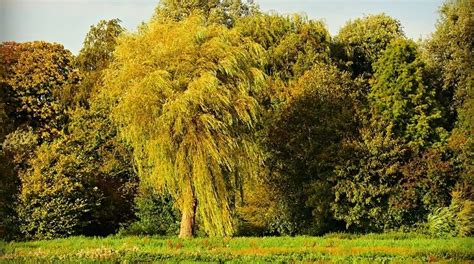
(370, 248)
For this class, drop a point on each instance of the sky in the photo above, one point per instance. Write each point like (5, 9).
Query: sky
(68, 21)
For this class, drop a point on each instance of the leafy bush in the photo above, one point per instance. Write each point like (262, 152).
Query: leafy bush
(82, 183)
(54, 200)
(156, 215)
(455, 220)
(465, 219)
(442, 222)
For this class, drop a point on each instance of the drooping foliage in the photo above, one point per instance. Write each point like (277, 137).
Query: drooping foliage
(453, 220)
(187, 108)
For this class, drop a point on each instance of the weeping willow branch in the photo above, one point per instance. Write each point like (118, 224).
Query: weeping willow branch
(183, 95)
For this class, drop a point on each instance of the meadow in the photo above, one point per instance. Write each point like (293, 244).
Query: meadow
(332, 248)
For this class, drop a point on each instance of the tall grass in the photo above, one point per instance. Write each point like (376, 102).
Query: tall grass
(369, 248)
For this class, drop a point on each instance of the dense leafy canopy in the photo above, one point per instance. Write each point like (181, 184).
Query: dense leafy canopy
(93, 58)
(33, 76)
(37, 80)
(361, 41)
(402, 97)
(82, 183)
(76, 177)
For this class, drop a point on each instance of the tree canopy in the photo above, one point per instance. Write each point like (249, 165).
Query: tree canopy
(363, 40)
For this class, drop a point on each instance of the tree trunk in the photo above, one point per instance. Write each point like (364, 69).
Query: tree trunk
(188, 213)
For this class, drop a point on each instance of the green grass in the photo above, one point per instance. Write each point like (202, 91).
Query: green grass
(337, 248)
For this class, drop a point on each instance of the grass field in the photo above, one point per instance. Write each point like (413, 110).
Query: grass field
(333, 248)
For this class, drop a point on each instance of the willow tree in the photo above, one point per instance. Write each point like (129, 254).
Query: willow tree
(184, 100)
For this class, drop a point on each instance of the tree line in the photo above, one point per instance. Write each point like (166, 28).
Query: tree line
(217, 119)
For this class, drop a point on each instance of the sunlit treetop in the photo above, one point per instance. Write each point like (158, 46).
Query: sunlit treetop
(93, 58)
(99, 45)
(224, 12)
(293, 43)
(452, 50)
(364, 39)
(39, 76)
(402, 95)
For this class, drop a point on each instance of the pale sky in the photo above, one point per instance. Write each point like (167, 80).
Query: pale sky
(68, 21)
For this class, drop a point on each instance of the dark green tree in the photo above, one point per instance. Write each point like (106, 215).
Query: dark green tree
(305, 143)
(400, 150)
(293, 45)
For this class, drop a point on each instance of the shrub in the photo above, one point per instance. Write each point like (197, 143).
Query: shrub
(54, 201)
(465, 218)
(441, 223)
(454, 220)
(156, 215)
(80, 184)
